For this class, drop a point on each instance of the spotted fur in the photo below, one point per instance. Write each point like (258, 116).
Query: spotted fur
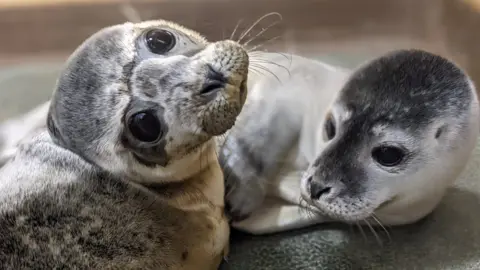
(81, 193)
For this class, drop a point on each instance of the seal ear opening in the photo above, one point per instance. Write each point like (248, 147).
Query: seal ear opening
(440, 131)
(53, 130)
(329, 127)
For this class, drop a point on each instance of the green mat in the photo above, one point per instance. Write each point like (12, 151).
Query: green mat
(448, 239)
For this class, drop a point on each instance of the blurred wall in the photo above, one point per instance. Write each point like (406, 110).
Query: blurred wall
(55, 27)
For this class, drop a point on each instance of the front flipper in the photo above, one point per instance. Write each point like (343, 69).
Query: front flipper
(278, 216)
(252, 155)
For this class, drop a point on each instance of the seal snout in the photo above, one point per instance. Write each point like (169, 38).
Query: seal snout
(320, 190)
(224, 85)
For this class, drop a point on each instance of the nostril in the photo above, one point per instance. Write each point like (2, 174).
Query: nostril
(309, 179)
(243, 87)
(318, 190)
(212, 87)
(215, 80)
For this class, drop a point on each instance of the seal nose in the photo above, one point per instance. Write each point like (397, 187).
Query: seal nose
(318, 189)
(214, 81)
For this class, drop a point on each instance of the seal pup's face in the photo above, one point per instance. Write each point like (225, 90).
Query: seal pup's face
(399, 132)
(142, 100)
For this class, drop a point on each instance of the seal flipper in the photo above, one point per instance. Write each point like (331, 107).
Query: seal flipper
(251, 153)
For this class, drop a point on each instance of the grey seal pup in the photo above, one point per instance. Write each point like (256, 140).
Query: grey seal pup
(125, 174)
(376, 145)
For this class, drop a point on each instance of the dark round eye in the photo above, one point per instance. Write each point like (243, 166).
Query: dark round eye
(388, 156)
(159, 41)
(145, 126)
(330, 127)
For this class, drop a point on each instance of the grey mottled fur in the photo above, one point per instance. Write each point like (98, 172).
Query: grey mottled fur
(70, 196)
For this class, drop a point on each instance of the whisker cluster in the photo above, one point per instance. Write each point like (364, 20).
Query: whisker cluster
(373, 230)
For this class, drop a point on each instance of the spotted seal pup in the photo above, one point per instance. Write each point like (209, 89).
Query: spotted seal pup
(125, 173)
(376, 145)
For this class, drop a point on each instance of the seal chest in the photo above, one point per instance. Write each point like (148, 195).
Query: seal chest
(201, 199)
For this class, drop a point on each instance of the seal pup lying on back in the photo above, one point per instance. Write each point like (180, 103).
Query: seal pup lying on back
(126, 175)
(379, 145)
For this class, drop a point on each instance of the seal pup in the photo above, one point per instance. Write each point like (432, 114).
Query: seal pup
(377, 145)
(125, 176)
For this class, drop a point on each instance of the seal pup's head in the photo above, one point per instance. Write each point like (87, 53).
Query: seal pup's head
(398, 134)
(144, 100)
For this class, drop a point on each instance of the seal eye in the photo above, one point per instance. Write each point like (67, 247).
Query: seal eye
(159, 41)
(145, 126)
(330, 128)
(388, 156)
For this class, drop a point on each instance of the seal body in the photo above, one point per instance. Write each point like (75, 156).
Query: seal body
(77, 216)
(124, 173)
(379, 144)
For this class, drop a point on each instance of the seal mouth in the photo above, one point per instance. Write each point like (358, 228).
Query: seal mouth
(148, 163)
(385, 203)
(355, 216)
(341, 213)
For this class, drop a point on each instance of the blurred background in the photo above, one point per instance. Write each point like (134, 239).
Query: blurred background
(37, 35)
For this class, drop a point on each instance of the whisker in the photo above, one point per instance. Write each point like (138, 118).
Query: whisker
(267, 70)
(227, 176)
(264, 61)
(257, 22)
(383, 227)
(253, 69)
(260, 33)
(374, 232)
(255, 72)
(304, 208)
(235, 29)
(361, 231)
(263, 43)
(289, 57)
(225, 137)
